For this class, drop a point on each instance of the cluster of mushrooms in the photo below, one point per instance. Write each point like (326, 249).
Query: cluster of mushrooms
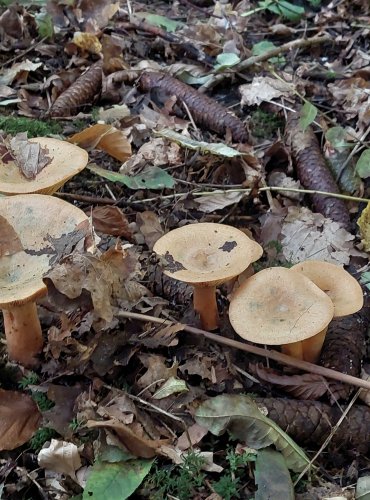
(276, 306)
(33, 225)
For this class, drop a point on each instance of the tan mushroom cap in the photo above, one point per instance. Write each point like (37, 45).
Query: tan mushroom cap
(68, 160)
(206, 253)
(41, 222)
(277, 306)
(338, 284)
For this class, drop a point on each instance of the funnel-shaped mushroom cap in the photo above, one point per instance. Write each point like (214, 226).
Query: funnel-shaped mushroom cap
(67, 161)
(44, 225)
(206, 253)
(340, 286)
(277, 306)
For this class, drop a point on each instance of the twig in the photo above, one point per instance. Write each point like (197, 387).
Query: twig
(276, 51)
(248, 191)
(86, 199)
(24, 52)
(329, 438)
(277, 356)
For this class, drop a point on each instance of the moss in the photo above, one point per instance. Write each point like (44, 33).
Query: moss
(264, 124)
(13, 125)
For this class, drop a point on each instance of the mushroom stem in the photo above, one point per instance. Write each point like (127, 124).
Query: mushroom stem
(205, 304)
(306, 350)
(23, 333)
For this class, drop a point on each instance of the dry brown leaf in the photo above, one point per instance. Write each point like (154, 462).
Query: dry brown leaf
(104, 137)
(111, 220)
(135, 444)
(19, 419)
(264, 89)
(119, 407)
(196, 433)
(99, 11)
(150, 227)
(29, 156)
(9, 74)
(60, 456)
(10, 242)
(307, 386)
(157, 371)
(214, 202)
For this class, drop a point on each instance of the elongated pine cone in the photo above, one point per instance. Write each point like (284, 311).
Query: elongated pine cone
(205, 111)
(310, 423)
(313, 172)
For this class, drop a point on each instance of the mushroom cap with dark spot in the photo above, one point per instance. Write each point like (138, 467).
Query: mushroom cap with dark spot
(67, 161)
(279, 306)
(338, 284)
(40, 221)
(206, 253)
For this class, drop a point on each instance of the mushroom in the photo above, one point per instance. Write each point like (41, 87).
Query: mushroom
(277, 306)
(343, 289)
(43, 224)
(206, 255)
(67, 161)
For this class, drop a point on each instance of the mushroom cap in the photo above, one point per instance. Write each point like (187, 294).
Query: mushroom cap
(338, 284)
(67, 161)
(277, 306)
(206, 253)
(43, 224)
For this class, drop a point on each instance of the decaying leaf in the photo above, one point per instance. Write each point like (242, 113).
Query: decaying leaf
(134, 443)
(60, 456)
(264, 89)
(172, 385)
(272, 476)
(240, 416)
(150, 227)
(214, 202)
(305, 235)
(156, 152)
(29, 156)
(9, 74)
(19, 419)
(111, 220)
(306, 386)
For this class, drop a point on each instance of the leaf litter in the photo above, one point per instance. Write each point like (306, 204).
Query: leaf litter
(182, 109)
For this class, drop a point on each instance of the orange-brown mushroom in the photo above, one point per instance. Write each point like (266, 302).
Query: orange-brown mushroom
(280, 307)
(41, 223)
(206, 255)
(67, 160)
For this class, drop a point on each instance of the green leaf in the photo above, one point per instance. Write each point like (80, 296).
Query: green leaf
(365, 279)
(363, 488)
(45, 25)
(308, 114)
(261, 48)
(115, 481)
(286, 9)
(337, 137)
(162, 22)
(272, 476)
(150, 178)
(240, 416)
(364, 225)
(219, 149)
(226, 60)
(363, 164)
(314, 3)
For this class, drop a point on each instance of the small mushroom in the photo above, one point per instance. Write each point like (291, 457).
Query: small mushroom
(44, 225)
(277, 306)
(343, 289)
(206, 255)
(67, 160)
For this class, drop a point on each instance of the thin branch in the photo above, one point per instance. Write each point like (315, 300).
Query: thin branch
(277, 356)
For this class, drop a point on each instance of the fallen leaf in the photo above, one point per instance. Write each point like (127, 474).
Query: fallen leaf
(264, 89)
(60, 456)
(272, 476)
(157, 370)
(135, 444)
(195, 432)
(150, 227)
(213, 202)
(29, 156)
(24, 67)
(172, 385)
(111, 220)
(19, 419)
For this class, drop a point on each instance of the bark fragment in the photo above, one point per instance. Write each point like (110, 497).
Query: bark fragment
(205, 111)
(313, 172)
(80, 93)
(310, 423)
